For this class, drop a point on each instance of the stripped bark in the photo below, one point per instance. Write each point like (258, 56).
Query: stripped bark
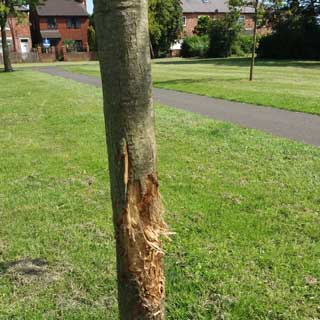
(124, 53)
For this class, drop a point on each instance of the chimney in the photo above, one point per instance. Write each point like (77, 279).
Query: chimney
(84, 2)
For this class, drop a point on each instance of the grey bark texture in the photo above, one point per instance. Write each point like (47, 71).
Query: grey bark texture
(5, 48)
(124, 54)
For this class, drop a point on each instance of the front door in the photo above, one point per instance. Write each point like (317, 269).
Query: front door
(25, 48)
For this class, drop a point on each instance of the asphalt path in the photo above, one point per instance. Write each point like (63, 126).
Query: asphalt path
(296, 126)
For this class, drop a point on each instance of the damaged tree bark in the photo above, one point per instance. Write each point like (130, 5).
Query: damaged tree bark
(124, 53)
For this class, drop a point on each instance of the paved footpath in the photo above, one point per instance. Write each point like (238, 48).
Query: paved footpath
(292, 125)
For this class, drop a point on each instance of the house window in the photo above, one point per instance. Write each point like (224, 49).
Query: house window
(52, 23)
(78, 45)
(184, 20)
(73, 23)
(242, 20)
(9, 43)
(74, 45)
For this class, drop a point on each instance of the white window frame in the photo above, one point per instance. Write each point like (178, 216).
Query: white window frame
(9, 39)
(184, 21)
(25, 38)
(242, 19)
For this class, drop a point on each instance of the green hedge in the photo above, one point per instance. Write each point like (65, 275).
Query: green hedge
(195, 46)
(243, 45)
(295, 38)
(198, 46)
(223, 35)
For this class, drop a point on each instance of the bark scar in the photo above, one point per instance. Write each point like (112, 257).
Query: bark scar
(126, 165)
(140, 228)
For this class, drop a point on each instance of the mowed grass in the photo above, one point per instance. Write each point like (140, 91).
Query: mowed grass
(290, 85)
(244, 206)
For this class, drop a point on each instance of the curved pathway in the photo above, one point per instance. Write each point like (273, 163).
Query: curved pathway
(297, 126)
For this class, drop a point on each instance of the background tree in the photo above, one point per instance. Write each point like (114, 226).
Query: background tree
(203, 26)
(225, 32)
(92, 38)
(12, 31)
(5, 9)
(195, 46)
(10, 8)
(296, 31)
(259, 22)
(165, 24)
(255, 5)
(124, 53)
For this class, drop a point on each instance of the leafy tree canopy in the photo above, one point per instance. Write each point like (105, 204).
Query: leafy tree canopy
(11, 7)
(203, 26)
(8, 7)
(296, 30)
(165, 24)
(279, 10)
(225, 32)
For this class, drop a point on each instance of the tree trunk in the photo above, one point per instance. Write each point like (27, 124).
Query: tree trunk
(254, 42)
(5, 48)
(152, 51)
(13, 34)
(124, 53)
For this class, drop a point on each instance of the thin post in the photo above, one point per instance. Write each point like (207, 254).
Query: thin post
(254, 42)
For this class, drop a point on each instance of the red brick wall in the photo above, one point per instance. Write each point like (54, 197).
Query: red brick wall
(192, 21)
(18, 29)
(249, 21)
(80, 56)
(68, 34)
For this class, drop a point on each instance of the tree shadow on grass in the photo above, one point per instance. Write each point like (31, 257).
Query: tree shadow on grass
(243, 62)
(32, 271)
(24, 267)
(15, 70)
(196, 81)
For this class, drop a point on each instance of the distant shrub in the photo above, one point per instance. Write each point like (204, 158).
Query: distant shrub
(92, 39)
(203, 26)
(69, 44)
(295, 38)
(195, 46)
(243, 45)
(223, 36)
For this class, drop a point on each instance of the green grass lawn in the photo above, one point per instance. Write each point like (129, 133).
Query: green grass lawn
(244, 206)
(62, 64)
(291, 85)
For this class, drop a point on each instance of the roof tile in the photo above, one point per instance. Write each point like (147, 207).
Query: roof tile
(209, 6)
(62, 8)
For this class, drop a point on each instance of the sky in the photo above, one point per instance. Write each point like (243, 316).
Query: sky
(90, 5)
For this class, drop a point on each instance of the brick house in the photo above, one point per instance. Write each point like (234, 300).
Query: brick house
(193, 9)
(60, 22)
(18, 33)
